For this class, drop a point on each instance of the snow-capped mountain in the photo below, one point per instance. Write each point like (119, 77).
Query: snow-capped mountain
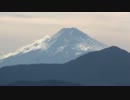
(67, 44)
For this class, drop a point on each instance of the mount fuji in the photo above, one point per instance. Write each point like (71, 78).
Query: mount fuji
(67, 44)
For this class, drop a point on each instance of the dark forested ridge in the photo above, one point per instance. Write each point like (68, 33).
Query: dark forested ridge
(110, 66)
(43, 83)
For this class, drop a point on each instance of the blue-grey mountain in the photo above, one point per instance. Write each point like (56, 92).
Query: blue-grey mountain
(66, 45)
(107, 67)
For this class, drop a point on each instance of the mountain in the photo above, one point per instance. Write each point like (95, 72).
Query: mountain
(107, 67)
(66, 45)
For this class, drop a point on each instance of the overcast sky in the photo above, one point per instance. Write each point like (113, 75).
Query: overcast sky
(18, 29)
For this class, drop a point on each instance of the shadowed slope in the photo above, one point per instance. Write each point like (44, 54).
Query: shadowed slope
(110, 66)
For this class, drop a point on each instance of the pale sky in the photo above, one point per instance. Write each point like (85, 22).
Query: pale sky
(18, 29)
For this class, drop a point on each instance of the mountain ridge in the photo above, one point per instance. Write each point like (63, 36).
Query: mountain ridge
(43, 83)
(107, 67)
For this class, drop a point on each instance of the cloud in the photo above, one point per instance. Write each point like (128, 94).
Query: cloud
(108, 27)
(69, 19)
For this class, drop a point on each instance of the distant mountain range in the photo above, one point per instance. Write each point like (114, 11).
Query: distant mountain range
(43, 83)
(107, 67)
(66, 45)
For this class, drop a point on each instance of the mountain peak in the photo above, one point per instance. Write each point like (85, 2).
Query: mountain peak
(115, 50)
(71, 28)
(115, 47)
(70, 32)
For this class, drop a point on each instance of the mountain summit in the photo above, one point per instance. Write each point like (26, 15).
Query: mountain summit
(67, 44)
(70, 32)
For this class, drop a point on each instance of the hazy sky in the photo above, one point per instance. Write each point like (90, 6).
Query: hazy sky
(21, 28)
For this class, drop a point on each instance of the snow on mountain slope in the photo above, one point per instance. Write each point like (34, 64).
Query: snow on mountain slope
(39, 44)
(67, 44)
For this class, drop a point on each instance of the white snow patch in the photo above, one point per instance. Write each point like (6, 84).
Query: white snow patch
(51, 43)
(9, 55)
(78, 53)
(60, 49)
(39, 44)
(82, 47)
